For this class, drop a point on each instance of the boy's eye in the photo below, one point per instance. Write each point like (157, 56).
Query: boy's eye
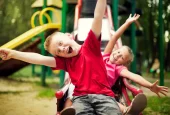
(59, 51)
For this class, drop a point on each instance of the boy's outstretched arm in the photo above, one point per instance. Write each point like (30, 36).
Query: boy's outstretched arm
(119, 32)
(33, 58)
(98, 16)
(141, 81)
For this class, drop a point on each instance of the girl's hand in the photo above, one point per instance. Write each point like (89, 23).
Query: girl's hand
(159, 89)
(132, 19)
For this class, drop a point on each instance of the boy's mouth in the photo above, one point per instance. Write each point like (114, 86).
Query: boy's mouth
(70, 50)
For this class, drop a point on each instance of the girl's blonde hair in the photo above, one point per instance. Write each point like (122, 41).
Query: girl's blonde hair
(131, 55)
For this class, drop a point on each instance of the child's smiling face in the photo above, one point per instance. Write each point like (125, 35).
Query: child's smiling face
(120, 56)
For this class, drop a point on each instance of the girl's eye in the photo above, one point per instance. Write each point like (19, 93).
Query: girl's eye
(118, 52)
(60, 43)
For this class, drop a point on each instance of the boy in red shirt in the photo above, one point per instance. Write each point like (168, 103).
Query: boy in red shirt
(92, 93)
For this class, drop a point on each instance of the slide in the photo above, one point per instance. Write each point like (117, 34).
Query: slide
(8, 67)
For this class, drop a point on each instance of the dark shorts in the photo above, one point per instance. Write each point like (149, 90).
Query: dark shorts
(96, 104)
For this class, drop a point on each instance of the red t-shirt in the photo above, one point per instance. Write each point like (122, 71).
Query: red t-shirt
(87, 70)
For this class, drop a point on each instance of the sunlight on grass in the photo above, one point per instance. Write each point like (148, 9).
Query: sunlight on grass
(25, 72)
(46, 93)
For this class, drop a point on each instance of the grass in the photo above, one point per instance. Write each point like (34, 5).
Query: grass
(25, 72)
(157, 106)
(46, 93)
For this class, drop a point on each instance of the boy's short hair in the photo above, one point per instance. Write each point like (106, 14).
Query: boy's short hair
(48, 41)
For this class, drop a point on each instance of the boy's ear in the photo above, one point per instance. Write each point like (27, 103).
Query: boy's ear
(68, 34)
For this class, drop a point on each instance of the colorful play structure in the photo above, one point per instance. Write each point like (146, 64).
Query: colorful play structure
(48, 18)
(51, 14)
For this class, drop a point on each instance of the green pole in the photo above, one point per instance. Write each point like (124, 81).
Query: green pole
(161, 44)
(49, 70)
(33, 65)
(63, 29)
(115, 13)
(133, 39)
(64, 16)
(43, 52)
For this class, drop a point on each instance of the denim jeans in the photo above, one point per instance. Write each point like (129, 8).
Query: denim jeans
(96, 104)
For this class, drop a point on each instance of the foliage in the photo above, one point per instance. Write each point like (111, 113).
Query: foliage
(148, 44)
(15, 18)
(70, 18)
(157, 106)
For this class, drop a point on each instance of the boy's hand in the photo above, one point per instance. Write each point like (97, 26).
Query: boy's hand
(5, 54)
(132, 19)
(159, 89)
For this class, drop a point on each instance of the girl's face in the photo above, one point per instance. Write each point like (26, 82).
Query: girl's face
(119, 56)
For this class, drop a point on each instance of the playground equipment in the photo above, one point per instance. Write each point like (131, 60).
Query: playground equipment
(58, 17)
(5, 67)
(36, 32)
(161, 43)
(52, 14)
(83, 17)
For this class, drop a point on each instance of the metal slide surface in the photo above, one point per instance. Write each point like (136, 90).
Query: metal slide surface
(8, 67)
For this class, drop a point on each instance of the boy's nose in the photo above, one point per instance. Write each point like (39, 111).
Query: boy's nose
(63, 49)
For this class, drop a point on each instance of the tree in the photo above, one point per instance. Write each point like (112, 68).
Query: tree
(15, 18)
